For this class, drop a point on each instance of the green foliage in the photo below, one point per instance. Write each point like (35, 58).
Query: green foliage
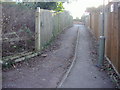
(56, 6)
(20, 5)
(46, 5)
(93, 9)
(59, 7)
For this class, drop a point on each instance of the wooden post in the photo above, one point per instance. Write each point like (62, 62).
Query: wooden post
(37, 30)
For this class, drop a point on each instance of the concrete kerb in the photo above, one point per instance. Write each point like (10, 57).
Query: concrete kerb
(72, 64)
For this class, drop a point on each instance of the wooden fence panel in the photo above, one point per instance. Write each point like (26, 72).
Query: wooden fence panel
(21, 23)
(52, 24)
(97, 25)
(108, 37)
(46, 27)
(112, 34)
(114, 42)
(106, 31)
(112, 39)
(119, 39)
(93, 23)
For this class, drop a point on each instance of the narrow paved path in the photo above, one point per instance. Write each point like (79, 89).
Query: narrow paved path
(84, 73)
(44, 72)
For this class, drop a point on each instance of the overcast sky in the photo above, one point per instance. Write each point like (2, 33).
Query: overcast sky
(78, 7)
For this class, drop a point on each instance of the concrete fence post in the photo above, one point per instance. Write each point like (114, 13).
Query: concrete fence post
(37, 30)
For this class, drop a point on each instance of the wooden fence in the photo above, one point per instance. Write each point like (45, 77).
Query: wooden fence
(112, 32)
(19, 28)
(52, 24)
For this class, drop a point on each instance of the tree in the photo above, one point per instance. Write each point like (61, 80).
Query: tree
(93, 9)
(59, 7)
(56, 6)
(46, 5)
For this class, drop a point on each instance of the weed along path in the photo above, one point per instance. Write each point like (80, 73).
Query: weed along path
(47, 69)
(84, 73)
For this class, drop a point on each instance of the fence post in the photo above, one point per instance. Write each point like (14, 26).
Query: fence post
(102, 40)
(37, 30)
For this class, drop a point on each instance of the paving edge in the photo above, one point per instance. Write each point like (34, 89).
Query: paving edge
(72, 64)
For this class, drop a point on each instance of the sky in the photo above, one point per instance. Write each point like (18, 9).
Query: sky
(77, 7)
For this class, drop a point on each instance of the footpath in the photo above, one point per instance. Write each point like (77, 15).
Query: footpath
(84, 73)
(47, 69)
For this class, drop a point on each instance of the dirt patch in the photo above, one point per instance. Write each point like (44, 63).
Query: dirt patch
(18, 29)
(44, 71)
